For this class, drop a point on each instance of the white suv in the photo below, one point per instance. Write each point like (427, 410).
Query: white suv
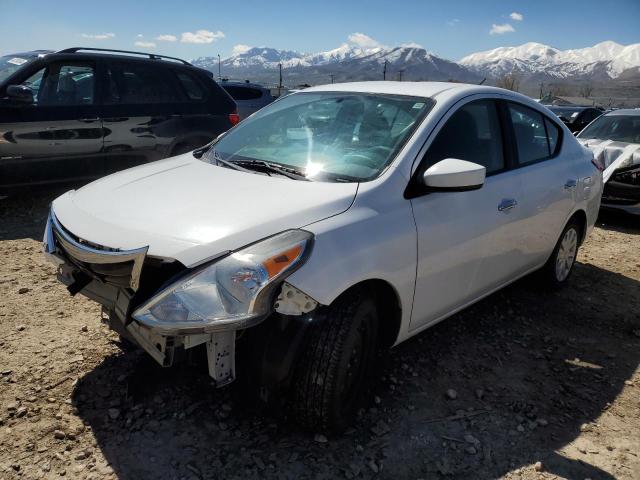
(330, 225)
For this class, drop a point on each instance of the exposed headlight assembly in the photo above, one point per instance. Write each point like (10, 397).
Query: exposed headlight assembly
(228, 294)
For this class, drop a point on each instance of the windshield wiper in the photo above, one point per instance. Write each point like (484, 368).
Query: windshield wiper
(271, 167)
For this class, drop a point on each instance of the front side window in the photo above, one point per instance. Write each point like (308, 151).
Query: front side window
(619, 128)
(140, 83)
(472, 133)
(327, 136)
(62, 84)
(530, 134)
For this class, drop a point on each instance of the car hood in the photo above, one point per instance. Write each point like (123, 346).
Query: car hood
(613, 155)
(189, 210)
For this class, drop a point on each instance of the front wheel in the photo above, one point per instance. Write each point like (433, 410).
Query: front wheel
(559, 267)
(337, 367)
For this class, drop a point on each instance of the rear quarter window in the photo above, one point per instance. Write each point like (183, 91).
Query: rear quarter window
(191, 86)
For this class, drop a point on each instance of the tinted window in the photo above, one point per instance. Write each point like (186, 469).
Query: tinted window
(63, 85)
(135, 83)
(242, 93)
(553, 134)
(530, 134)
(191, 86)
(473, 134)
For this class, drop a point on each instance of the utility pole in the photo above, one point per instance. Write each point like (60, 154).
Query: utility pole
(541, 91)
(331, 75)
(384, 71)
(280, 82)
(219, 69)
(400, 74)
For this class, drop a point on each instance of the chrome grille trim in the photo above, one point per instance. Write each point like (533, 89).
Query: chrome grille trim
(87, 254)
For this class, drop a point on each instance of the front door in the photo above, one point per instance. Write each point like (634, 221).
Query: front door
(57, 138)
(468, 242)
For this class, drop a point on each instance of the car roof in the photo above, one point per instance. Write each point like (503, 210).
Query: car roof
(415, 89)
(634, 112)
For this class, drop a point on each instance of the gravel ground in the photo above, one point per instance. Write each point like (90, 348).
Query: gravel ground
(524, 384)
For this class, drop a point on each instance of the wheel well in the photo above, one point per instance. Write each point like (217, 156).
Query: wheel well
(389, 307)
(581, 218)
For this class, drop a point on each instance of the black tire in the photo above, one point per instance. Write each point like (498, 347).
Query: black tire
(336, 370)
(552, 276)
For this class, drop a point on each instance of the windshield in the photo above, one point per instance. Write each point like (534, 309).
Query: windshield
(619, 128)
(11, 63)
(325, 136)
(570, 114)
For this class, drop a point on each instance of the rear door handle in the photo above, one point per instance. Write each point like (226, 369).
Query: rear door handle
(570, 184)
(89, 120)
(507, 204)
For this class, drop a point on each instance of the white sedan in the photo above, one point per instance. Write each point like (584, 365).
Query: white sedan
(329, 226)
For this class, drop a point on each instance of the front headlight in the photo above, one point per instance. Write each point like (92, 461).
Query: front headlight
(231, 293)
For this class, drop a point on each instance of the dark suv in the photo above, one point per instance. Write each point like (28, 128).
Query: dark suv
(81, 113)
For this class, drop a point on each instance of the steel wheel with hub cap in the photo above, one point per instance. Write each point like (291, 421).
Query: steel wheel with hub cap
(558, 268)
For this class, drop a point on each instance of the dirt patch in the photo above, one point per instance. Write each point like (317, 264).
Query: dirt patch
(524, 384)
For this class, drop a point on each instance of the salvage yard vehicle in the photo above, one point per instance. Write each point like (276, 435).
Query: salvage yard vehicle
(575, 118)
(81, 113)
(250, 97)
(331, 225)
(615, 141)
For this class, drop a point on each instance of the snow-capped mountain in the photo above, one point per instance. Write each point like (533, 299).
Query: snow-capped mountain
(533, 61)
(604, 60)
(347, 62)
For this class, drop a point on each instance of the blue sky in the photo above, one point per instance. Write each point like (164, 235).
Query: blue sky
(448, 28)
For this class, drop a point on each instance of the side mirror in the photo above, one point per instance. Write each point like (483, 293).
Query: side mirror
(454, 175)
(20, 94)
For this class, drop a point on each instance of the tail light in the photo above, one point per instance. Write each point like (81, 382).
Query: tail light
(234, 118)
(598, 162)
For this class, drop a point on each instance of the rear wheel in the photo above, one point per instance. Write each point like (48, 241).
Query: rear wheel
(337, 367)
(559, 267)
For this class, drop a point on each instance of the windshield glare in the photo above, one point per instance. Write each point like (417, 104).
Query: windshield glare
(326, 136)
(619, 128)
(9, 64)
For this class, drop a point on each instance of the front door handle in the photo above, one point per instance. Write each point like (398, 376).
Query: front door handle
(507, 204)
(570, 184)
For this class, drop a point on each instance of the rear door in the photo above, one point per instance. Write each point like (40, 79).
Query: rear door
(59, 137)
(141, 112)
(549, 180)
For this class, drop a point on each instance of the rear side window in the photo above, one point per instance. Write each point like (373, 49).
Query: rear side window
(553, 134)
(242, 93)
(536, 137)
(472, 133)
(141, 83)
(191, 86)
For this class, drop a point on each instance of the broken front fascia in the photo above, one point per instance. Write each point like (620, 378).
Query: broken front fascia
(220, 345)
(613, 155)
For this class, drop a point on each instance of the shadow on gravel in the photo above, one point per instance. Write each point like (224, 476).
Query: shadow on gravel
(618, 221)
(530, 370)
(25, 215)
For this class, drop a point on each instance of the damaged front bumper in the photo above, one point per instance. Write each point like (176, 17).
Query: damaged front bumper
(621, 162)
(112, 278)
